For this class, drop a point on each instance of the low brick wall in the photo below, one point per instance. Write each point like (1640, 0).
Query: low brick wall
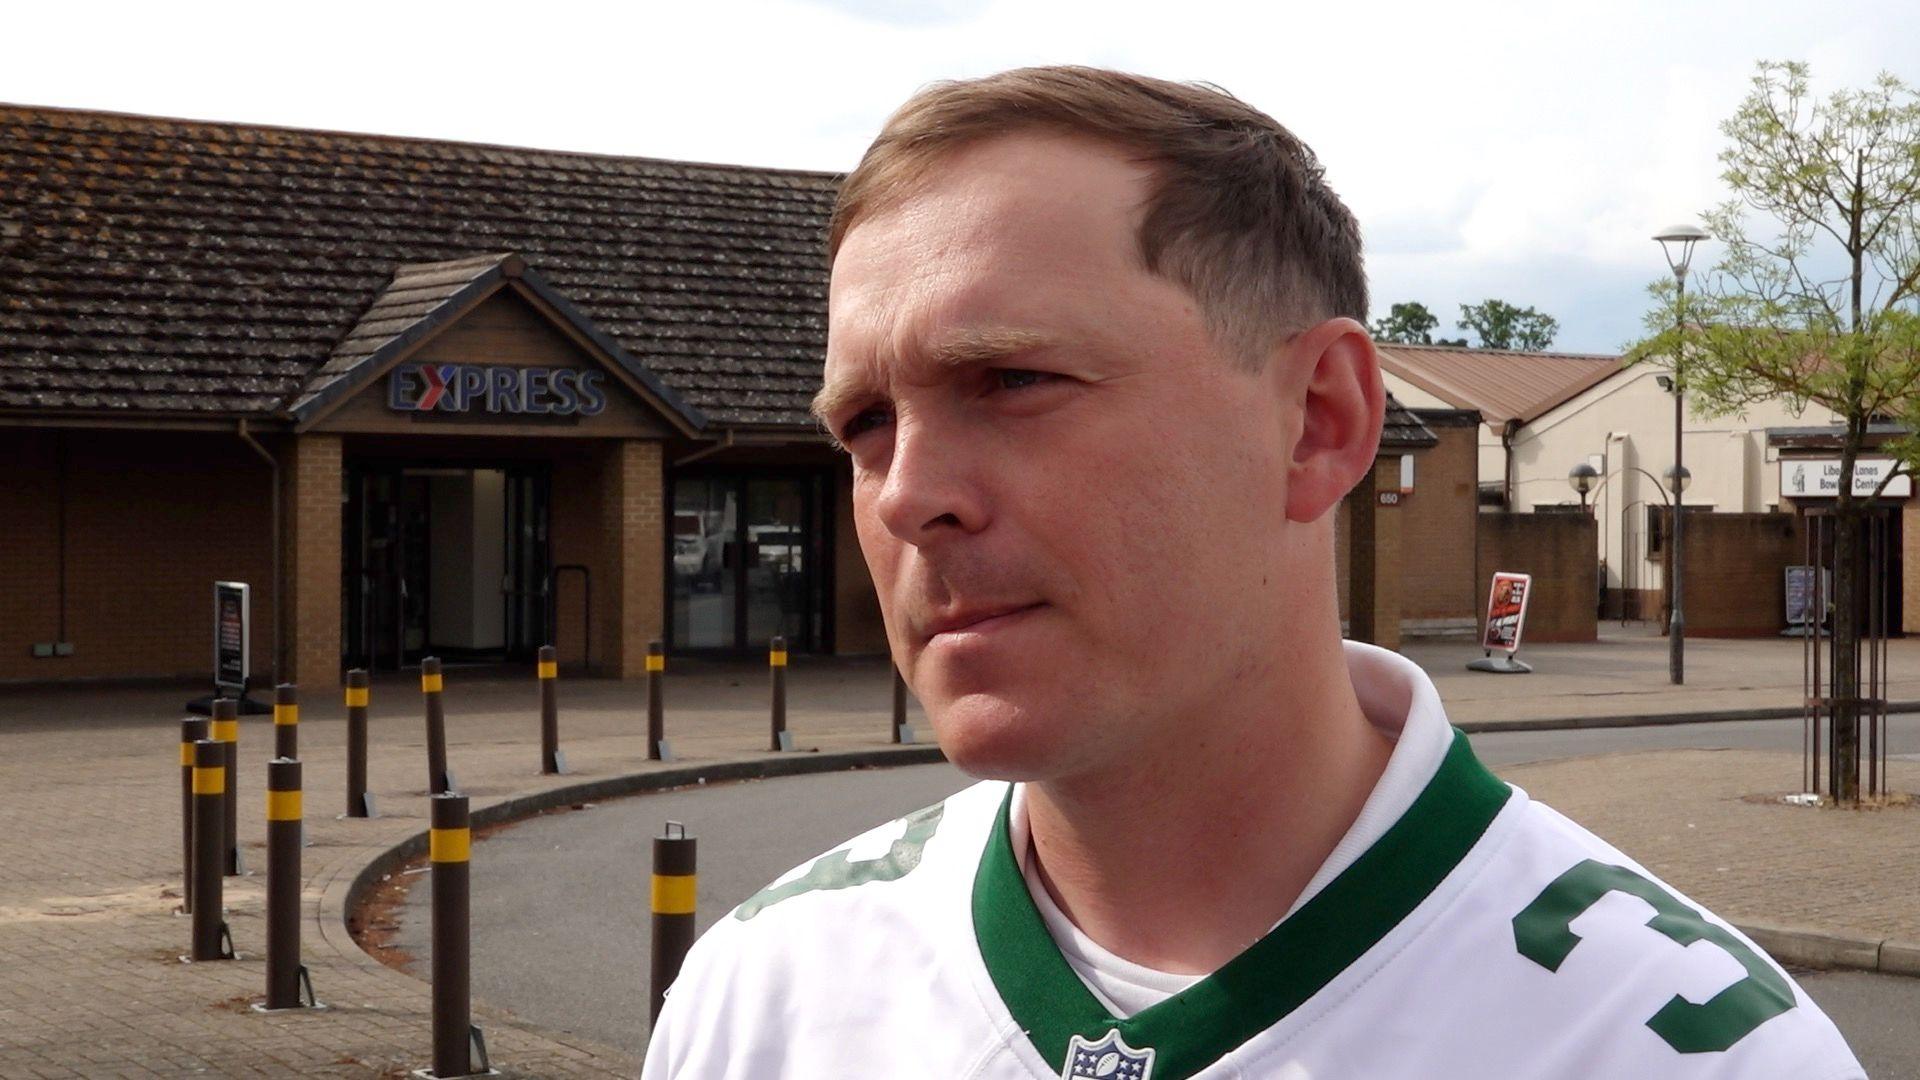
(1558, 550)
(1735, 573)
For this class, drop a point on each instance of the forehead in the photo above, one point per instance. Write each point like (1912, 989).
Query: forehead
(1031, 231)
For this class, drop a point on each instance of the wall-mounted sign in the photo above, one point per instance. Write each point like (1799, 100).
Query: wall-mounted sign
(1808, 595)
(1507, 611)
(1819, 478)
(496, 389)
(231, 630)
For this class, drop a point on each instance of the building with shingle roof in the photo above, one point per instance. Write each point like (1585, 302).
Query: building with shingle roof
(427, 395)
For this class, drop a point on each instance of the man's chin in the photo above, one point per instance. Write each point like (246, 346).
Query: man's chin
(990, 738)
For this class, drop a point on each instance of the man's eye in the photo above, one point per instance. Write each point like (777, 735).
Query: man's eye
(858, 425)
(1016, 378)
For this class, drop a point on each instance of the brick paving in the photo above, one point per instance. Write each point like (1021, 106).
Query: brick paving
(90, 983)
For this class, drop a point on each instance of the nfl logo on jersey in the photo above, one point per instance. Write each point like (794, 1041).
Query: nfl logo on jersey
(1109, 1059)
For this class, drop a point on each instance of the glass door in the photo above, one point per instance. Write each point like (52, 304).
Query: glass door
(383, 570)
(705, 588)
(746, 556)
(529, 562)
(777, 561)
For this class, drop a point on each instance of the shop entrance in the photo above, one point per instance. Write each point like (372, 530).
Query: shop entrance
(746, 561)
(450, 562)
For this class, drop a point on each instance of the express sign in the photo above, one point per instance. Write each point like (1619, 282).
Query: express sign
(534, 391)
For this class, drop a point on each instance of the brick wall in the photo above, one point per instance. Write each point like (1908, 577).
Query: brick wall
(1437, 524)
(311, 485)
(1735, 573)
(574, 533)
(1910, 567)
(1373, 558)
(1558, 550)
(152, 520)
(633, 491)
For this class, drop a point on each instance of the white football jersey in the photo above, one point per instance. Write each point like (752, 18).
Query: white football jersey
(1482, 935)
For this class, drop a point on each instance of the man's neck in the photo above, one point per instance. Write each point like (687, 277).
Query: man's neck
(1182, 861)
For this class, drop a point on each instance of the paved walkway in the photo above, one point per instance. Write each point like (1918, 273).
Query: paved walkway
(89, 868)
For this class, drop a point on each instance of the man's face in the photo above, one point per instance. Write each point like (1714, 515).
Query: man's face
(1042, 430)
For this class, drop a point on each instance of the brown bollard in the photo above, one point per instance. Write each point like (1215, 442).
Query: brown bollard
(449, 845)
(431, 685)
(284, 969)
(192, 730)
(225, 729)
(674, 891)
(777, 662)
(357, 695)
(899, 704)
(209, 850)
(549, 669)
(286, 721)
(656, 715)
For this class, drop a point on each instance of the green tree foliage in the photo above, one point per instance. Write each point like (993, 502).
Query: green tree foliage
(1816, 293)
(1500, 325)
(1407, 324)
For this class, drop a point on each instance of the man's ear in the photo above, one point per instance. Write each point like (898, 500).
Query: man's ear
(1342, 403)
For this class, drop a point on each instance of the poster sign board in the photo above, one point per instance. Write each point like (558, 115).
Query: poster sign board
(1506, 612)
(232, 635)
(1819, 478)
(1805, 592)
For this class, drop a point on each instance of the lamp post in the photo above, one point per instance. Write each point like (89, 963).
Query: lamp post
(1583, 477)
(1677, 243)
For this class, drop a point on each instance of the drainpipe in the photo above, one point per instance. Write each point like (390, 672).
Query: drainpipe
(1507, 432)
(708, 451)
(279, 615)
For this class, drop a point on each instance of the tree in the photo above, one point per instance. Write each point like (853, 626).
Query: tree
(1410, 324)
(1814, 298)
(1500, 325)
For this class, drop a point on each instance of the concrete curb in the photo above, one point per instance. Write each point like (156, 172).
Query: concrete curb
(1621, 720)
(1822, 949)
(1789, 945)
(518, 807)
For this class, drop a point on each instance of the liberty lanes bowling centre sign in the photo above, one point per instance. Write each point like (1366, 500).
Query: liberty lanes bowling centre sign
(496, 389)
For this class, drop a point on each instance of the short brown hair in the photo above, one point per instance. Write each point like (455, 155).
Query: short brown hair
(1240, 214)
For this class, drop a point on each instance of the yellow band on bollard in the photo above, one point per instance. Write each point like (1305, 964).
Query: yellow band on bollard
(656, 663)
(209, 779)
(286, 714)
(430, 683)
(225, 730)
(186, 755)
(449, 845)
(549, 669)
(356, 697)
(283, 806)
(673, 894)
(779, 659)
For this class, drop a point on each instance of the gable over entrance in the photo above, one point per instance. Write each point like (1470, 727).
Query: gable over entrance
(485, 346)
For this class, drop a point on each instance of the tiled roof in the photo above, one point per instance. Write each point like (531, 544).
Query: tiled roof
(175, 266)
(1502, 385)
(1403, 431)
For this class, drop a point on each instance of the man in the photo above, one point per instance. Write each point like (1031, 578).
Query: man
(1096, 351)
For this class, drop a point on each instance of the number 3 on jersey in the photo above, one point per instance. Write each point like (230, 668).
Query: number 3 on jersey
(1543, 933)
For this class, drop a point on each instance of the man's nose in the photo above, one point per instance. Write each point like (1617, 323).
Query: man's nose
(931, 486)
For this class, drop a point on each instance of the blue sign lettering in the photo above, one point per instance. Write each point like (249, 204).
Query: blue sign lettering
(459, 388)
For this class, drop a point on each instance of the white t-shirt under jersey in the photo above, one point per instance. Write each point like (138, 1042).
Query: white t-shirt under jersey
(1396, 698)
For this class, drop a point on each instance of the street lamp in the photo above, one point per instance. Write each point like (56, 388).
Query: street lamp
(1583, 476)
(1677, 243)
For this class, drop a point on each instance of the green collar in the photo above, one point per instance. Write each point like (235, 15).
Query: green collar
(1275, 975)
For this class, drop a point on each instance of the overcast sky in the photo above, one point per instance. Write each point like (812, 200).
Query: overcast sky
(1518, 150)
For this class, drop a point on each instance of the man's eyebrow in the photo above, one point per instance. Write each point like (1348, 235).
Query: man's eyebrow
(962, 348)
